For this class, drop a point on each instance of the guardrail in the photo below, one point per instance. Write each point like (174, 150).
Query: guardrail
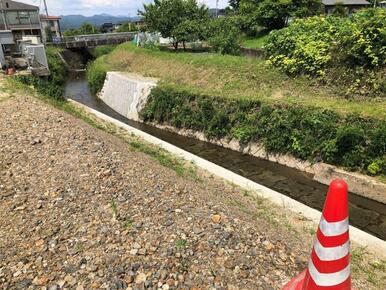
(93, 39)
(98, 36)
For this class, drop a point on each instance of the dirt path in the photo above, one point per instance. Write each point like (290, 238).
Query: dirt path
(80, 210)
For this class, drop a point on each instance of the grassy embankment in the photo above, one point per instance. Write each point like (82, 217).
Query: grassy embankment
(242, 98)
(255, 42)
(234, 77)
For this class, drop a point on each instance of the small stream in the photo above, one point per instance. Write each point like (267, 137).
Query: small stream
(365, 214)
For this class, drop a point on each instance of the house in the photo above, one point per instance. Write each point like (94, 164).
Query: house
(20, 38)
(21, 19)
(6, 38)
(107, 27)
(382, 4)
(51, 30)
(350, 5)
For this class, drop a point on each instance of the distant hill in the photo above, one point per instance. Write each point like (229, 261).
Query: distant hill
(74, 21)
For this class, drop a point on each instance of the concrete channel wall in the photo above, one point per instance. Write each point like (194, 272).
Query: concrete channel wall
(126, 93)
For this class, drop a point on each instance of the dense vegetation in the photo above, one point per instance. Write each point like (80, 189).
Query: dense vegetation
(311, 106)
(349, 50)
(272, 14)
(181, 20)
(311, 134)
(234, 77)
(53, 85)
(102, 50)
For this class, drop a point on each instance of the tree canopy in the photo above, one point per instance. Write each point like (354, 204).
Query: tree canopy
(180, 20)
(84, 29)
(272, 14)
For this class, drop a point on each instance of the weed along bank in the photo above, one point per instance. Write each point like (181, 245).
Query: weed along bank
(235, 124)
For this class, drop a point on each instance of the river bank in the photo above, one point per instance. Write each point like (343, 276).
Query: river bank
(365, 214)
(126, 221)
(305, 132)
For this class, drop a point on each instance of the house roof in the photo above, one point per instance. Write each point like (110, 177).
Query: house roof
(13, 5)
(45, 17)
(345, 2)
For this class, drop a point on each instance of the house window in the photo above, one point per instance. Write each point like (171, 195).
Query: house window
(24, 18)
(12, 18)
(34, 16)
(2, 21)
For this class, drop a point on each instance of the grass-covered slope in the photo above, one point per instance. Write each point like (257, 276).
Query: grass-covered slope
(245, 99)
(234, 77)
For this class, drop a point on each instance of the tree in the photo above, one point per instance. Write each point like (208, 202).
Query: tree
(174, 18)
(340, 10)
(127, 27)
(234, 4)
(274, 14)
(224, 35)
(49, 35)
(87, 28)
(84, 29)
(187, 31)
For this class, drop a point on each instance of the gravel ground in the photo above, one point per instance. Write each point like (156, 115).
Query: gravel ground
(80, 210)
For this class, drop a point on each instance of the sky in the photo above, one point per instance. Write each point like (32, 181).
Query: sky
(92, 7)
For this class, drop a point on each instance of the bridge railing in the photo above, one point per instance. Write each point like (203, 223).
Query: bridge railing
(95, 37)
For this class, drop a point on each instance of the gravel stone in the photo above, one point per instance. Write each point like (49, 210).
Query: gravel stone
(62, 182)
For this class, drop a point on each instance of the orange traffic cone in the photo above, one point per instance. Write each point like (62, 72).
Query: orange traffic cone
(329, 266)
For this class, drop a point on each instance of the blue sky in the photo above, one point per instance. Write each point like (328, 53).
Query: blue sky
(91, 7)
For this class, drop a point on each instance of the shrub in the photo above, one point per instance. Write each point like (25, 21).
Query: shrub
(307, 133)
(96, 75)
(348, 51)
(303, 47)
(362, 38)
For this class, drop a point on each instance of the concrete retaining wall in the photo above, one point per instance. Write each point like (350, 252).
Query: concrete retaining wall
(126, 93)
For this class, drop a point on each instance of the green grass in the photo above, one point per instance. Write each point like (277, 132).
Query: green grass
(255, 42)
(114, 208)
(165, 159)
(181, 244)
(79, 247)
(128, 224)
(231, 77)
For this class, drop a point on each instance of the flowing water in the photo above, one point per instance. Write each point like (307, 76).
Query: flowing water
(365, 214)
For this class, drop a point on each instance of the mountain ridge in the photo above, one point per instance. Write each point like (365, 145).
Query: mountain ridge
(76, 20)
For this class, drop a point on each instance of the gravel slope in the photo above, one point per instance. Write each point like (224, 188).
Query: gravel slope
(79, 210)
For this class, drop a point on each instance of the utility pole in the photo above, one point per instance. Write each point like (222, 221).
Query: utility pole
(45, 7)
(217, 8)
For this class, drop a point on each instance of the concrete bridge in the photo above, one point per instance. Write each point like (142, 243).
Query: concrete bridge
(93, 40)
